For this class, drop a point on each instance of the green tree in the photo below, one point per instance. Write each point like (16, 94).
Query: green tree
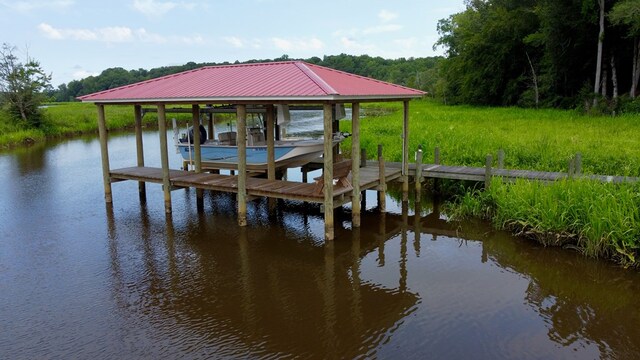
(22, 86)
(627, 13)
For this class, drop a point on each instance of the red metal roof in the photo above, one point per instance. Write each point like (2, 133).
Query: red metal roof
(290, 80)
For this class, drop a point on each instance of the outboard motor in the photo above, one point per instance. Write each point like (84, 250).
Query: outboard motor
(203, 134)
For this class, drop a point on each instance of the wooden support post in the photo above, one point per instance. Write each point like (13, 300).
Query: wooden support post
(211, 134)
(104, 152)
(164, 158)
(195, 119)
(578, 164)
(572, 168)
(436, 156)
(382, 187)
(335, 123)
(328, 173)
(363, 157)
(500, 159)
(418, 171)
(241, 111)
(487, 172)
(271, 162)
(142, 191)
(405, 152)
(355, 164)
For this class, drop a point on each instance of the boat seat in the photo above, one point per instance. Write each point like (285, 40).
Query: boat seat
(227, 138)
(341, 171)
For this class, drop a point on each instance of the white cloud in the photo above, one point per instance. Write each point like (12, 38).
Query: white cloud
(27, 6)
(82, 73)
(386, 15)
(116, 34)
(297, 44)
(234, 41)
(408, 43)
(355, 46)
(152, 8)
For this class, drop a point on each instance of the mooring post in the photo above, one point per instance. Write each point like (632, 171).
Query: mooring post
(436, 156)
(164, 158)
(418, 171)
(142, 191)
(363, 157)
(271, 162)
(104, 152)
(405, 151)
(241, 140)
(382, 187)
(356, 163)
(195, 119)
(328, 172)
(500, 159)
(578, 164)
(487, 172)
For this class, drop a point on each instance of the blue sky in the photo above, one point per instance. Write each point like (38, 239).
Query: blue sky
(73, 39)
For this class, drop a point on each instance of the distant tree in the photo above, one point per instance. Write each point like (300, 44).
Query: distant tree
(627, 13)
(22, 85)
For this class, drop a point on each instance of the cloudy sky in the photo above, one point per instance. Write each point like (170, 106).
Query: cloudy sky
(73, 39)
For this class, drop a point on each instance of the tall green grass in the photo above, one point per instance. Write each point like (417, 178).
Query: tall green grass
(532, 139)
(600, 219)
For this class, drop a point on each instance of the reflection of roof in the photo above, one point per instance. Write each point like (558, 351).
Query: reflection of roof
(290, 80)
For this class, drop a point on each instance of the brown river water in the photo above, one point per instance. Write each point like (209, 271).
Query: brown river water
(79, 279)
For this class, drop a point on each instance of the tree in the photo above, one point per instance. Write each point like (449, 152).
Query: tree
(598, 80)
(627, 13)
(22, 85)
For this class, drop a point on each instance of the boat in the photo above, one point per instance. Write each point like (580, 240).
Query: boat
(222, 153)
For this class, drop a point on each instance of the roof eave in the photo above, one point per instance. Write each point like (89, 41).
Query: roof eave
(257, 99)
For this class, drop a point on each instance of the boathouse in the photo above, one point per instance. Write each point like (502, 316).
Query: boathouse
(257, 85)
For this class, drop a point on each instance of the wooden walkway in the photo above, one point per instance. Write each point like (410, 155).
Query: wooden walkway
(480, 173)
(257, 187)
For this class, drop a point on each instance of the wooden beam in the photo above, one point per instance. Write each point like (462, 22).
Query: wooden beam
(210, 127)
(195, 119)
(139, 147)
(382, 189)
(328, 173)
(271, 162)
(355, 164)
(164, 158)
(405, 152)
(242, 164)
(104, 152)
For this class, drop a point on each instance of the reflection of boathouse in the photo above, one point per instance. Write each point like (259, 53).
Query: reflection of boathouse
(278, 292)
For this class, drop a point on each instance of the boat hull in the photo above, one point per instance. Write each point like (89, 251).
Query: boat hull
(287, 154)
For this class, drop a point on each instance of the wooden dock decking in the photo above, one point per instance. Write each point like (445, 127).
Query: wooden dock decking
(257, 187)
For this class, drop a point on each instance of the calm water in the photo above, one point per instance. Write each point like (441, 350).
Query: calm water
(79, 279)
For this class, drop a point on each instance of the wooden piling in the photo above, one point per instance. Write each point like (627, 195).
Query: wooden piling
(382, 187)
(142, 191)
(271, 162)
(210, 127)
(328, 172)
(500, 159)
(164, 157)
(195, 119)
(241, 111)
(355, 164)
(436, 156)
(363, 157)
(405, 151)
(418, 173)
(487, 172)
(104, 152)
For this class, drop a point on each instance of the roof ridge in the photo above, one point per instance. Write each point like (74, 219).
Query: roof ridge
(316, 78)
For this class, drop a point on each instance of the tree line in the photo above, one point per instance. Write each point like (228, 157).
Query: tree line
(550, 53)
(420, 73)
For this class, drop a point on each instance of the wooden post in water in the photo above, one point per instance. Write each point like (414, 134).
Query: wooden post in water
(355, 164)
(164, 158)
(195, 119)
(328, 173)
(500, 159)
(382, 187)
(418, 171)
(241, 111)
(487, 172)
(104, 152)
(405, 151)
(210, 129)
(271, 162)
(142, 191)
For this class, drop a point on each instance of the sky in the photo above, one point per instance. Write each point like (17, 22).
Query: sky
(73, 39)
